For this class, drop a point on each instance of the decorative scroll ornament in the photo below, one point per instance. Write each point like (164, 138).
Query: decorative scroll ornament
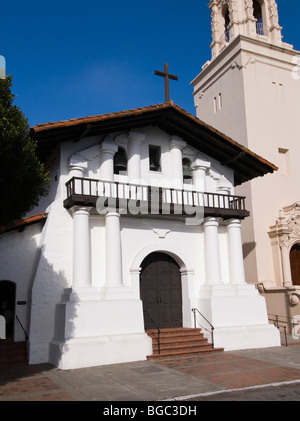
(294, 219)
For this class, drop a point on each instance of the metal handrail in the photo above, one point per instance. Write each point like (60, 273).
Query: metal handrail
(194, 310)
(157, 328)
(280, 323)
(26, 336)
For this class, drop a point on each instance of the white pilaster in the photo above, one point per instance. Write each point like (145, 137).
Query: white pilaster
(134, 156)
(81, 248)
(236, 260)
(113, 249)
(286, 265)
(176, 147)
(107, 151)
(212, 252)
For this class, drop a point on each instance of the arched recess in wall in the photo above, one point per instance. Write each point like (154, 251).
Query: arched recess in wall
(258, 13)
(295, 263)
(226, 17)
(187, 171)
(7, 305)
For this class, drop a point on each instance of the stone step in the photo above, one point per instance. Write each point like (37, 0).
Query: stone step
(12, 353)
(179, 342)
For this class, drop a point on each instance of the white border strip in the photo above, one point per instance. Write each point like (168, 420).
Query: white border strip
(242, 389)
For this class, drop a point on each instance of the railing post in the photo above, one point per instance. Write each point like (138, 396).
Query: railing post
(211, 326)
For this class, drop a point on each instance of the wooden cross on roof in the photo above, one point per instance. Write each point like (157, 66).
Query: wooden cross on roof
(165, 74)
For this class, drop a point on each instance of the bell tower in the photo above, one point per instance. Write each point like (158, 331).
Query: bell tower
(253, 18)
(250, 91)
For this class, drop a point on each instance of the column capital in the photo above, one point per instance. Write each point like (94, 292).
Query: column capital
(111, 214)
(78, 164)
(224, 185)
(211, 221)
(108, 145)
(199, 164)
(177, 142)
(233, 223)
(81, 210)
(136, 136)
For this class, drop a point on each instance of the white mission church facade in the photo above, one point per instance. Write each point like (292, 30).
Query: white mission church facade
(141, 225)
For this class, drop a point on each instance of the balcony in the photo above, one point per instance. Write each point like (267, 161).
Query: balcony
(149, 201)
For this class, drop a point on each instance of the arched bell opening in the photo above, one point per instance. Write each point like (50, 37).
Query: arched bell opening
(120, 162)
(258, 14)
(186, 170)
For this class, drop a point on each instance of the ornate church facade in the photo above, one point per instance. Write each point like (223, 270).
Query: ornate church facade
(152, 212)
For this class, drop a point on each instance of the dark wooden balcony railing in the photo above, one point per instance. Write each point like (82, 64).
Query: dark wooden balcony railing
(156, 200)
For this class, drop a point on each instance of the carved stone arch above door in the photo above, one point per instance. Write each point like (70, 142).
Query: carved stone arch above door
(285, 235)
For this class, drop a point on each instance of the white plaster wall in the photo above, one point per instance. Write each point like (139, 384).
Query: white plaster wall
(55, 267)
(54, 271)
(19, 254)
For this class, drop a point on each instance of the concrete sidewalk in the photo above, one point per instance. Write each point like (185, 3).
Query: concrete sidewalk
(182, 378)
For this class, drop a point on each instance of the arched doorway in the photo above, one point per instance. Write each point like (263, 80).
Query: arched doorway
(7, 305)
(295, 264)
(161, 291)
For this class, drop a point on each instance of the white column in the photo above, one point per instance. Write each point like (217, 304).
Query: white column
(77, 165)
(176, 147)
(212, 252)
(224, 186)
(81, 248)
(236, 259)
(200, 169)
(134, 156)
(113, 249)
(107, 151)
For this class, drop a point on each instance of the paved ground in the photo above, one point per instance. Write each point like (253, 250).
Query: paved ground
(206, 377)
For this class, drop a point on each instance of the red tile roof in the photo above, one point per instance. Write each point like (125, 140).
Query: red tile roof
(170, 118)
(23, 223)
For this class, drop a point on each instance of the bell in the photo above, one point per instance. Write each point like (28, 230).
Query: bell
(153, 167)
(120, 167)
(120, 164)
(187, 174)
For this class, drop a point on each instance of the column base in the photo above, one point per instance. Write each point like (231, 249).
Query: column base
(81, 294)
(239, 316)
(246, 337)
(96, 332)
(100, 350)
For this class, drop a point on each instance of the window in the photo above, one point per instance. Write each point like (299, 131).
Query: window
(120, 161)
(186, 170)
(227, 24)
(284, 162)
(295, 264)
(259, 18)
(218, 103)
(154, 158)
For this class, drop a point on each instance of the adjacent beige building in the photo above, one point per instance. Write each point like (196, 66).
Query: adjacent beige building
(250, 90)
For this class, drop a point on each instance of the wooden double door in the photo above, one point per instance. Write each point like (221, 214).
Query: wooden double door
(295, 264)
(161, 292)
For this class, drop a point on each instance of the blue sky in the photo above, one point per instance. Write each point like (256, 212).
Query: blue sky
(72, 58)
